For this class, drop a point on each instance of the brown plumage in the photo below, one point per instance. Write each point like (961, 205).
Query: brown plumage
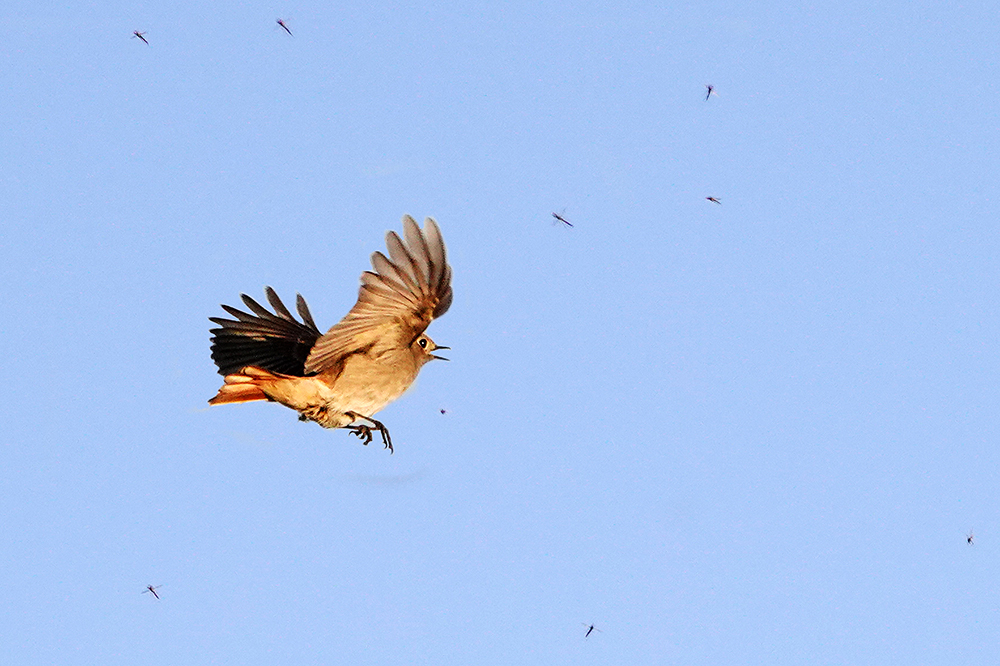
(362, 363)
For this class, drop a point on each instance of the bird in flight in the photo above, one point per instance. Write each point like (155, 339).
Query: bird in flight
(590, 628)
(560, 218)
(342, 378)
(152, 590)
(714, 200)
(969, 538)
(136, 33)
(282, 24)
(711, 91)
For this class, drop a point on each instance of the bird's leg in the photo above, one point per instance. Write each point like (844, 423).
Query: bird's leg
(365, 432)
(385, 434)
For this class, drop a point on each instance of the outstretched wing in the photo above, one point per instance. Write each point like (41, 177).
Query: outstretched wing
(396, 302)
(275, 342)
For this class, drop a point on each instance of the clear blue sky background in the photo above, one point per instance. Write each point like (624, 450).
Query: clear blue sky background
(749, 433)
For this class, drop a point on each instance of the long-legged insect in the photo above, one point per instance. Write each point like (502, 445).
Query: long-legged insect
(136, 33)
(714, 200)
(711, 91)
(969, 538)
(152, 590)
(590, 628)
(282, 24)
(560, 218)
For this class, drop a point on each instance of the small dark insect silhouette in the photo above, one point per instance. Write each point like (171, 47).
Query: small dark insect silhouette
(714, 200)
(560, 218)
(590, 628)
(152, 590)
(282, 24)
(444, 411)
(136, 33)
(969, 538)
(711, 91)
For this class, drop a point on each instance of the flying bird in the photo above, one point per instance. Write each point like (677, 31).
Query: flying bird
(282, 24)
(711, 91)
(590, 628)
(342, 378)
(560, 218)
(714, 200)
(969, 538)
(152, 590)
(136, 33)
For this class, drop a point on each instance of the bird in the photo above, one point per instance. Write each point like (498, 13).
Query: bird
(560, 218)
(152, 590)
(711, 91)
(282, 24)
(590, 628)
(969, 538)
(342, 378)
(136, 33)
(714, 200)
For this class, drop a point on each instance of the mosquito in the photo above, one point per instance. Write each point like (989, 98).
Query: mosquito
(136, 33)
(714, 200)
(282, 24)
(590, 628)
(969, 538)
(560, 218)
(152, 590)
(711, 91)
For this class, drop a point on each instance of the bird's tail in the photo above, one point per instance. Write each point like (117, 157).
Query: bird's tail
(244, 386)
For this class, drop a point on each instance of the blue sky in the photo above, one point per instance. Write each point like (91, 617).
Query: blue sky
(749, 433)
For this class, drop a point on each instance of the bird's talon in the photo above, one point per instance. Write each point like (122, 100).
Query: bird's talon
(362, 432)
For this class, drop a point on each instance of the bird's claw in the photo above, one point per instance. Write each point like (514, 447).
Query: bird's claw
(385, 438)
(362, 432)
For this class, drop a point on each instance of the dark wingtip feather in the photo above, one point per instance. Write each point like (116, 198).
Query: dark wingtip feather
(275, 342)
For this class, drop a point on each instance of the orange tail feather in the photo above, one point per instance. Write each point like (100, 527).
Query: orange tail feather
(242, 387)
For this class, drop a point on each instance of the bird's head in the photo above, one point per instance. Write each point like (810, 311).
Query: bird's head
(423, 350)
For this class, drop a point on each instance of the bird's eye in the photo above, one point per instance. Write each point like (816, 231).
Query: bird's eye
(423, 343)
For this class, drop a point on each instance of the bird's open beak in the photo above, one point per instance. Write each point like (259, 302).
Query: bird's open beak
(440, 358)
